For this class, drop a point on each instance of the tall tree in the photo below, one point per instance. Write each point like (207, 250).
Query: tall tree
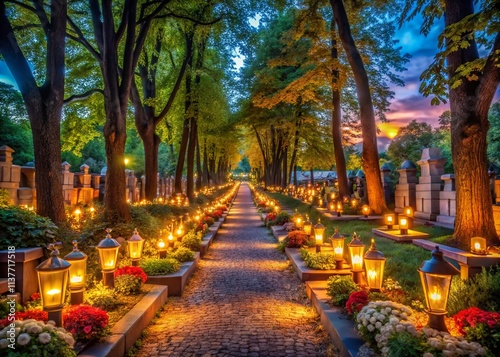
(119, 33)
(371, 167)
(470, 85)
(147, 110)
(43, 102)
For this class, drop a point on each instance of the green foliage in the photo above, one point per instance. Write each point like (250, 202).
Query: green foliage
(182, 254)
(405, 344)
(156, 266)
(102, 297)
(494, 134)
(339, 287)
(320, 261)
(5, 308)
(192, 241)
(282, 218)
(17, 136)
(127, 284)
(413, 138)
(481, 290)
(4, 197)
(22, 228)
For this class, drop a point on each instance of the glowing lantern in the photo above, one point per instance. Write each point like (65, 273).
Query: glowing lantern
(374, 267)
(337, 240)
(403, 225)
(77, 213)
(408, 211)
(365, 209)
(356, 250)
(77, 273)
(435, 276)
(52, 282)
(319, 229)
(108, 255)
(162, 249)
(307, 226)
(478, 246)
(389, 219)
(135, 245)
(298, 220)
(340, 208)
(333, 196)
(354, 202)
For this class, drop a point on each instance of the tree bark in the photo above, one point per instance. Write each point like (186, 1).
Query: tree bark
(43, 104)
(469, 104)
(375, 191)
(338, 148)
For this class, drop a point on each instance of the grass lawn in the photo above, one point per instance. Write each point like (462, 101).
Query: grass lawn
(403, 259)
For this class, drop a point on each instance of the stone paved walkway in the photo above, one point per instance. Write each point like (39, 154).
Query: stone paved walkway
(244, 300)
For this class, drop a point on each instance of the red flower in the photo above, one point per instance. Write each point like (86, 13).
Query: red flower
(35, 297)
(473, 316)
(35, 314)
(356, 301)
(130, 270)
(85, 322)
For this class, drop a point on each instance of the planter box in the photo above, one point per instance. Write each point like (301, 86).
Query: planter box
(206, 242)
(178, 280)
(308, 274)
(279, 233)
(26, 260)
(340, 329)
(129, 329)
(394, 234)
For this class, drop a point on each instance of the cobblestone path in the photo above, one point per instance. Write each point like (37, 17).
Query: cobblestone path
(244, 300)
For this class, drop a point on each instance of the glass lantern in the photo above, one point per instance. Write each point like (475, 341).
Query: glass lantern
(135, 245)
(365, 209)
(356, 250)
(337, 240)
(478, 246)
(374, 267)
(308, 226)
(403, 225)
(389, 219)
(319, 229)
(108, 256)
(53, 276)
(77, 273)
(435, 276)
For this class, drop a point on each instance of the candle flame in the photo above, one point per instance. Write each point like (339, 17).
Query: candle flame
(76, 279)
(435, 295)
(372, 274)
(53, 292)
(477, 246)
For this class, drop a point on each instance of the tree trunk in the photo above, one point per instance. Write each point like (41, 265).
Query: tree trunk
(469, 104)
(374, 188)
(43, 104)
(193, 133)
(199, 171)
(205, 165)
(284, 176)
(338, 148)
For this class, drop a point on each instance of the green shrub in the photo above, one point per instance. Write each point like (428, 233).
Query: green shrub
(339, 287)
(481, 290)
(405, 344)
(127, 284)
(24, 229)
(320, 261)
(182, 254)
(191, 240)
(102, 297)
(156, 266)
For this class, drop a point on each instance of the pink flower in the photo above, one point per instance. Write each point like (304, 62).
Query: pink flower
(87, 329)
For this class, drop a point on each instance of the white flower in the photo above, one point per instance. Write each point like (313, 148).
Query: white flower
(34, 329)
(4, 343)
(393, 320)
(400, 328)
(370, 328)
(49, 327)
(359, 326)
(23, 339)
(373, 319)
(404, 315)
(378, 324)
(69, 340)
(388, 310)
(44, 338)
(51, 322)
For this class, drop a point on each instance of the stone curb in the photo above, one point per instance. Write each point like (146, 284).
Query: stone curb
(279, 233)
(129, 328)
(178, 280)
(340, 329)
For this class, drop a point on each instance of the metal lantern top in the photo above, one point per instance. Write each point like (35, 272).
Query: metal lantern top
(135, 237)
(108, 242)
(75, 254)
(319, 227)
(54, 263)
(437, 265)
(336, 234)
(373, 253)
(355, 242)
